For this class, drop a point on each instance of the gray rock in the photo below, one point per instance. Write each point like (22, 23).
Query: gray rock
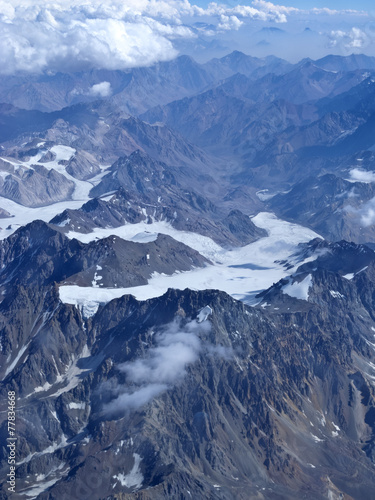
(36, 187)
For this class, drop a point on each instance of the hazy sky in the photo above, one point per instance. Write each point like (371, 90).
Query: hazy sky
(72, 35)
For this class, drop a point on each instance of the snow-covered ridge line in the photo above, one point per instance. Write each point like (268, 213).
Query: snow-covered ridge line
(144, 233)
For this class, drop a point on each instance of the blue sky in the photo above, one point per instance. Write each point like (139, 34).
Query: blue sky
(305, 4)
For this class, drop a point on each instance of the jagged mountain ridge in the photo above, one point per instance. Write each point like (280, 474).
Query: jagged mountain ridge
(141, 88)
(30, 170)
(329, 204)
(107, 136)
(295, 87)
(38, 254)
(146, 190)
(262, 144)
(234, 414)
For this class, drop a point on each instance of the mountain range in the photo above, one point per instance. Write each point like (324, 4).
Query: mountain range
(187, 277)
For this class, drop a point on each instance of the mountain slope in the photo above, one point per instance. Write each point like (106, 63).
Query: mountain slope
(38, 254)
(243, 423)
(133, 91)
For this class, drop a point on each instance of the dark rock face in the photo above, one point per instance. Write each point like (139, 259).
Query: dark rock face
(232, 419)
(192, 391)
(242, 227)
(137, 173)
(83, 166)
(38, 255)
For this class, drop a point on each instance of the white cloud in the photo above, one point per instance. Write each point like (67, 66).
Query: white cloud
(69, 35)
(276, 9)
(366, 212)
(282, 10)
(164, 365)
(264, 11)
(357, 38)
(352, 39)
(76, 35)
(359, 175)
(102, 89)
(229, 23)
(331, 12)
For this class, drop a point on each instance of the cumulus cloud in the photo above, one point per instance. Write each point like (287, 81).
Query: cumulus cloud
(283, 10)
(366, 212)
(176, 347)
(350, 40)
(42, 35)
(229, 23)
(78, 35)
(356, 174)
(334, 12)
(102, 89)
(272, 7)
(262, 11)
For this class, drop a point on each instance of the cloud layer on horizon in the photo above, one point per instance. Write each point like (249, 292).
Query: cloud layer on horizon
(76, 35)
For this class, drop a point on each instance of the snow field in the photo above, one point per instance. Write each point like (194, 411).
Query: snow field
(241, 272)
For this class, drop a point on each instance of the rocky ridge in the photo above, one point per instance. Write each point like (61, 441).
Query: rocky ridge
(221, 421)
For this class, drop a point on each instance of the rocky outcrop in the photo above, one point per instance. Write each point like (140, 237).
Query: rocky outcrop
(253, 400)
(37, 254)
(83, 166)
(243, 228)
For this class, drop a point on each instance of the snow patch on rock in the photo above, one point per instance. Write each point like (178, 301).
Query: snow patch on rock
(204, 314)
(299, 290)
(134, 479)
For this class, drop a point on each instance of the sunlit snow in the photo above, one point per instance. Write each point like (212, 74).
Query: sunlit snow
(299, 290)
(203, 314)
(71, 378)
(336, 295)
(39, 488)
(15, 361)
(134, 478)
(77, 406)
(242, 272)
(22, 215)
